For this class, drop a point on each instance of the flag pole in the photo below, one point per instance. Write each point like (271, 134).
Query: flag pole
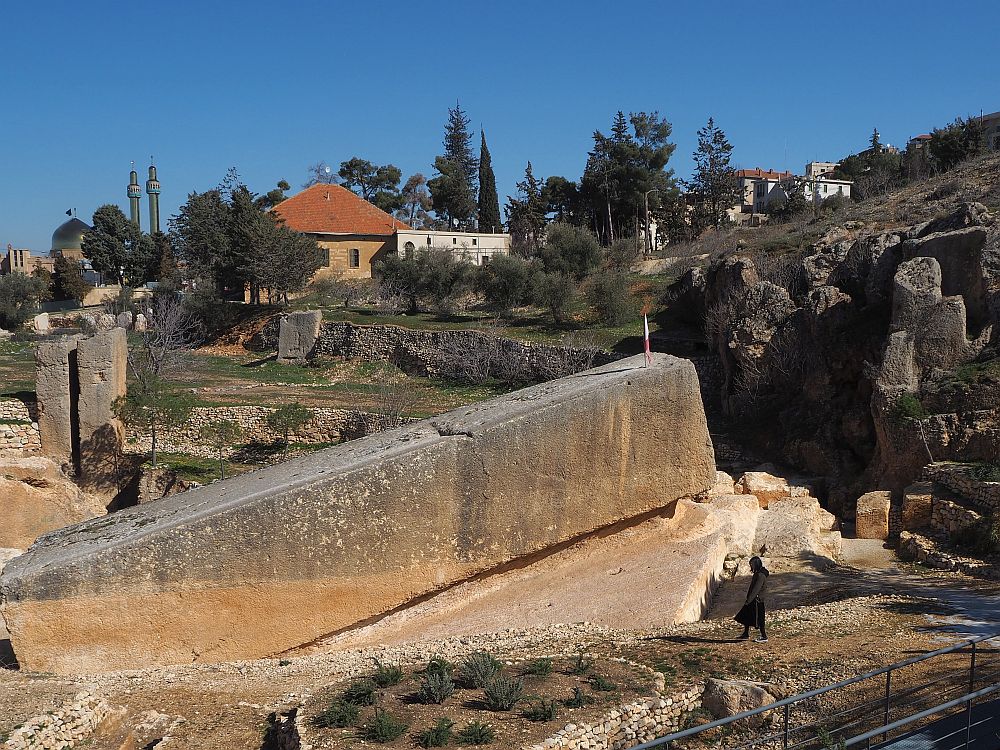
(645, 339)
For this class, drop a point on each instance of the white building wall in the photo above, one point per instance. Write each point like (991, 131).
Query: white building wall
(476, 247)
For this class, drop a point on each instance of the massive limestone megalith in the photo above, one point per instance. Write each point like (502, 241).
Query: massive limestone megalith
(278, 557)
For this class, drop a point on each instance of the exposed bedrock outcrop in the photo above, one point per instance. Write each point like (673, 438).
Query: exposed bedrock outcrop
(818, 350)
(275, 558)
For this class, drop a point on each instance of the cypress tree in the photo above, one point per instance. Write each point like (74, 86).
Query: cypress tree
(489, 201)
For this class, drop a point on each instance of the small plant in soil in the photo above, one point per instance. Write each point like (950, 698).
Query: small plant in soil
(284, 663)
(503, 693)
(387, 675)
(580, 664)
(361, 693)
(436, 688)
(602, 684)
(384, 727)
(439, 665)
(538, 667)
(478, 669)
(476, 733)
(338, 715)
(437, 735)
(579, 699)
(542, 711)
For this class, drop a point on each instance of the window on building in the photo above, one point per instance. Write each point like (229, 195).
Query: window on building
(354, 257)
(454, 240)
(326, 256)
(475, 241)
(428, 240)
(408, 249)
(484, 260)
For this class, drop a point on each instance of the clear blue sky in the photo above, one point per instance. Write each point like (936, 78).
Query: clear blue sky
(271, 87)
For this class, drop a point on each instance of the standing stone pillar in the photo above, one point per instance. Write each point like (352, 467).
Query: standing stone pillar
(298, 333)
(101, 365)
(55, 386)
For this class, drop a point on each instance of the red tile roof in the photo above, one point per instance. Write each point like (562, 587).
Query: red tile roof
(761, 174)
(332, 209)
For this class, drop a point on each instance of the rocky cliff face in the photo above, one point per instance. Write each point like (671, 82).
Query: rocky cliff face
(867, 355)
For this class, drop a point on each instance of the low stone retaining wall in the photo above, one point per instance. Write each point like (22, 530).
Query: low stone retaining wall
(957, 479)
(72, 723)
(326, 426)
(925, 550)
(629, 725)
(950, 518)
(19, 427)
(446, 354)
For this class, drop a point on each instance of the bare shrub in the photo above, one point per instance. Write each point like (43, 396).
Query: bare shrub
(393, 398)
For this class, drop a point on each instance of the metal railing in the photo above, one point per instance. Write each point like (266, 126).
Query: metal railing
(908, 698)
(966, 700)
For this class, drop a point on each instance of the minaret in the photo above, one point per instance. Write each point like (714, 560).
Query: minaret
(134, 193)
(153, 191)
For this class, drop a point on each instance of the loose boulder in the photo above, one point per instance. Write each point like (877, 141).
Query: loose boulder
(725, 698)
(765, 487)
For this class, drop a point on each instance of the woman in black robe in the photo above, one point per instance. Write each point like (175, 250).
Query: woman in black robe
(752, 613)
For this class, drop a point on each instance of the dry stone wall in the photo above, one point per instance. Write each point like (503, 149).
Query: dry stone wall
(444, 353)
(956, 478)
(277, 558)
(629, 725)
(63, 728)
(325, 426)
(18, 428)
(951, 518)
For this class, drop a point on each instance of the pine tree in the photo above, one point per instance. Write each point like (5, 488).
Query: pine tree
(458, 145)
(875, 142)
(526, 214)
(714, 182)
(453, 189)
(489, 201)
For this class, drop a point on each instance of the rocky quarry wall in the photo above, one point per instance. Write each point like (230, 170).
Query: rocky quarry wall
(274, 559)
(828, 356)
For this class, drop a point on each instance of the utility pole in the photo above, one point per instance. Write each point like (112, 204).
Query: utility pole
(649, 239)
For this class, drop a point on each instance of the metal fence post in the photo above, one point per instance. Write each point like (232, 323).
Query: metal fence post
(972, 669)
(888, 694)
(968, 722)
(785, 733)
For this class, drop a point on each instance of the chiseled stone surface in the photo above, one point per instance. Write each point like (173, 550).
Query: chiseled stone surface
(101, 364)
(298, 333)
(918, 500)
(52, 386)
(278, 557)
(872, 515)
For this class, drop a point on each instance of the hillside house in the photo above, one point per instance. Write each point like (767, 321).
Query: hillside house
(355, 234)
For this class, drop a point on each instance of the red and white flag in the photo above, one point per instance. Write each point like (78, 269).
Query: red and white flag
(645, 338)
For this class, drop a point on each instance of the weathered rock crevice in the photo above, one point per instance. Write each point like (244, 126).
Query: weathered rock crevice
(867, 356)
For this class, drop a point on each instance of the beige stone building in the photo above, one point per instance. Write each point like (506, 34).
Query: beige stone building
(355, 235)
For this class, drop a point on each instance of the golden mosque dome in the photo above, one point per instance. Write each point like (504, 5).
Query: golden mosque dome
(69, 235)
